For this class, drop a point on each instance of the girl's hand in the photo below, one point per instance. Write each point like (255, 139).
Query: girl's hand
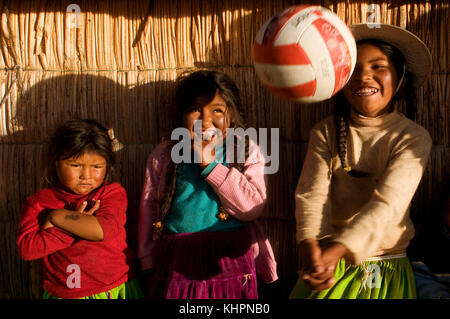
(206, 150)
(312, 268)
(91, 211)
(331, 254)
(47, 224)
(207, 153)
(317, 265)
(310, 260)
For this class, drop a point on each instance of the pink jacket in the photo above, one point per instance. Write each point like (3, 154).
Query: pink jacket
(242, 195)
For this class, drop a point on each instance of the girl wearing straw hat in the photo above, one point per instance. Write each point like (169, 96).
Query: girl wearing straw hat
(361, 170)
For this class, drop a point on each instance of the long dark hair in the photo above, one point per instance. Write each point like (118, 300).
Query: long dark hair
(75, 138)
(204, 83)
(342, 107)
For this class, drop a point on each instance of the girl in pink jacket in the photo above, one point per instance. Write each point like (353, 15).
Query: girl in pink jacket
(198, 235)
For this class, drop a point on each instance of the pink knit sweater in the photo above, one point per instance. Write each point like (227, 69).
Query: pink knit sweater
(242, 195)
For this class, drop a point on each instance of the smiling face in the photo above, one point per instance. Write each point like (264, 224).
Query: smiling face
(213, 113)
(82, 174)
(373, 83)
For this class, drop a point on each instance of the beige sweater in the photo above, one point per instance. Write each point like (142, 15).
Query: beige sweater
(369, 215)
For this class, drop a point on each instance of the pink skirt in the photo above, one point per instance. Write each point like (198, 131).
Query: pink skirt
(204, 265)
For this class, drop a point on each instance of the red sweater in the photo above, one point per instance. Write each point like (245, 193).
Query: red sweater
(102, 265)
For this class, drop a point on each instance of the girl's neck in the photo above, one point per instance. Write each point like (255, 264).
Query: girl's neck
(371, 121)
(387, 109)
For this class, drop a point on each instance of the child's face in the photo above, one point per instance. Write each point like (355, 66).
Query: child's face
(373, 82)
(213, 114)
(82, 174)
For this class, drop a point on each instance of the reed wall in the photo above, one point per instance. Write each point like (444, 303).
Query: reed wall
(119, 67)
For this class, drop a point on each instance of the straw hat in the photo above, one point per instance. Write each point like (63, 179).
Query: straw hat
(417, 56)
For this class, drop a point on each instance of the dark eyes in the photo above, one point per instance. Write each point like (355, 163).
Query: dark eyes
(95, 166)
(194, 109)
(379, 66)
(198, 109)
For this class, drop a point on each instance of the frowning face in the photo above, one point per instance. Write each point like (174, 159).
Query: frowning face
(373, 83)
(82, 174)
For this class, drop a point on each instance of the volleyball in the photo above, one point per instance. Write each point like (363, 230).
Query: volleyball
(304, 54)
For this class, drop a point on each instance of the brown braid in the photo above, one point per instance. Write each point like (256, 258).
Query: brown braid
(169, 191)
(342, 141)
(171, 178)
(341, 115)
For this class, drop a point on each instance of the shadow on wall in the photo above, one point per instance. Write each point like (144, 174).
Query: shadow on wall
(433, 112)
(428, 207)
(138, 117)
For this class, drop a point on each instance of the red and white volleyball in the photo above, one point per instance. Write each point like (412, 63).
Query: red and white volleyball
(305, 54)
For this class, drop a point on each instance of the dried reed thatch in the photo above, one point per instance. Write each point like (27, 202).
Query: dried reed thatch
(118, 67)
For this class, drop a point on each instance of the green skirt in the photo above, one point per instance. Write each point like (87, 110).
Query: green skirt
(127, 290)
(391, 278)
